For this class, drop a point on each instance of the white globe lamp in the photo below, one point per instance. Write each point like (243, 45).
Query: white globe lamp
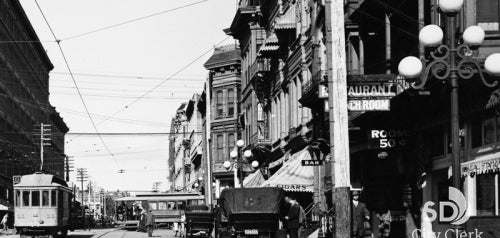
(410, 67)
(451, 6)
(240, 143)
(247, 154)
(255, 163)
(473, 36)
(233, 154)
(226, 164)
(492, 64)
(200, 178)
(431, 35)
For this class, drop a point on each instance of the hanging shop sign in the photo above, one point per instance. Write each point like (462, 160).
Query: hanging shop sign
(312, 162)
(387, 138)
(372, 92)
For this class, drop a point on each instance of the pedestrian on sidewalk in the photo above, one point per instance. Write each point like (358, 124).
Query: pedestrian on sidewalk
(293, 217)
(4, 223)
(150, 223)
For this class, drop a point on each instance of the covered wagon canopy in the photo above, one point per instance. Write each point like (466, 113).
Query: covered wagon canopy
(293, 176)
(40, 180)
(251, 200)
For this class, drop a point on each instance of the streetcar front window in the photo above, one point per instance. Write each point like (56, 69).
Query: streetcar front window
(53, 201)
(153, 206)
(162, 205)
(26, 198)
(18, 198)
(45, 198)
(35, 198)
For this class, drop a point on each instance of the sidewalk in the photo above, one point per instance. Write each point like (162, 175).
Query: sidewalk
(93, 233)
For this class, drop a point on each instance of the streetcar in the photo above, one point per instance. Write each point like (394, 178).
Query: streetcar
(166, 207)
(42, 206)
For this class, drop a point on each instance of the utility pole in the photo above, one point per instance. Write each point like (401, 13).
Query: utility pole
(208, 119)
(68, 166)
(44, 133)
(338, 118)
(82, 177)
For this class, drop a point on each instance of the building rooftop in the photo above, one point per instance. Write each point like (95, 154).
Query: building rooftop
(224, 55)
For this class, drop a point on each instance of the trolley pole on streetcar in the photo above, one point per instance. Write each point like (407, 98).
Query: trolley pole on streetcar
(44, 133)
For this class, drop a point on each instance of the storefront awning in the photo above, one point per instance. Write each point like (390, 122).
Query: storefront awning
(254, 180)
(488, 163)
(6, 206)
(293, 176)
(287, 21)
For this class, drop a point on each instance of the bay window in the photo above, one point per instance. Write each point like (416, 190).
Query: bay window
(488, 14)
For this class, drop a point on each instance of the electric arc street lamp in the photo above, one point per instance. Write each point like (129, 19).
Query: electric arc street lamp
(238, 160)
(450, 62)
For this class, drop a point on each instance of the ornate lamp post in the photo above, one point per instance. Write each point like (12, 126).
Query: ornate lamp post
(238, 160)
(450, 62)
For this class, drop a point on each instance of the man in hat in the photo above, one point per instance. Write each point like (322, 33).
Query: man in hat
(150, 223)
(293, 217)
(360, 214)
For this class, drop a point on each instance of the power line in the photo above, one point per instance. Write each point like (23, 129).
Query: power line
(133, 20)
(129, 133)
(123, 76)
(164, 81)
(119, 96)
(73, 78)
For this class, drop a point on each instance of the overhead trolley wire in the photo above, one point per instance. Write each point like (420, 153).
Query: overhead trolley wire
(164, 81)
(132, 20)
(74, 81)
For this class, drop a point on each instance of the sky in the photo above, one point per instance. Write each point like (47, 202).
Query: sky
(133, 61)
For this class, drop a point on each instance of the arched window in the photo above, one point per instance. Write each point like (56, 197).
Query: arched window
(219, 104)
(220, 148)
(230, 102)
(230, 141)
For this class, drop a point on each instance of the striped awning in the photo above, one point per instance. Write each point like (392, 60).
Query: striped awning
(288, 20)
(488, 163)
(270, 45)
(292, 176)
(254, 180)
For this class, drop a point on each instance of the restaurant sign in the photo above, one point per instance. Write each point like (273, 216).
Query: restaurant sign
(371, 92)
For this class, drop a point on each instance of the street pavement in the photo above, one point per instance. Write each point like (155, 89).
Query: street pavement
(104, 233)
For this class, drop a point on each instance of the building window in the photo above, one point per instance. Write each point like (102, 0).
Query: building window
(476, 136)
(436, 141)
(230, 102)
(488, 14)
(219, 104)
(260, 112)
(489, 130)
(230, 141)
(220, 148)
(487, 192)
